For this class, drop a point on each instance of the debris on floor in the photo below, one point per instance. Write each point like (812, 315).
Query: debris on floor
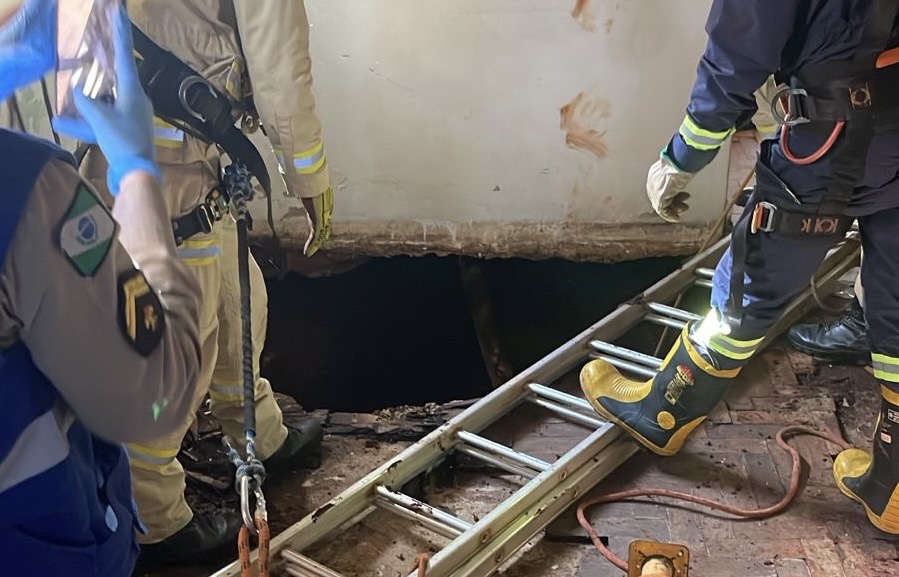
(733, 457)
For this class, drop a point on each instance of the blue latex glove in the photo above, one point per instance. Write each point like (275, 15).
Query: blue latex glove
(27, 45)
(123, 129)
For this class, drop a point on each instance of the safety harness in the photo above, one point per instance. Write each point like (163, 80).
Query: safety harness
(183, 98)
(859, 95)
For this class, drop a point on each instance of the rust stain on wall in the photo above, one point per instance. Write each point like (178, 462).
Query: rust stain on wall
(583, 13)
(579, 119)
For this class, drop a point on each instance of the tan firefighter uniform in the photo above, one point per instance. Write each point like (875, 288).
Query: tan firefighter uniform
(270, 53)
(125, 380)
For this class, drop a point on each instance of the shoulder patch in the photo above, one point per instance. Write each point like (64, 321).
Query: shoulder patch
(141, 316)
(86, 232)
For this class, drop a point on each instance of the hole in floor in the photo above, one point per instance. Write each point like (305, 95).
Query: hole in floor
(401, 331)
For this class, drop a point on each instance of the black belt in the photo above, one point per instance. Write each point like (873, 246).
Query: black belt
(202, 218)
(766, 217)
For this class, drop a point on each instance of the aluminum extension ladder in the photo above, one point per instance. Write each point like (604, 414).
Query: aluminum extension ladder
(480, 548)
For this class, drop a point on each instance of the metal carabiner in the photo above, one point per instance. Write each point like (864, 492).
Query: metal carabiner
(245, 504)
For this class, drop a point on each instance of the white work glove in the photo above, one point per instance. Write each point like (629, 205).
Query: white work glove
(665, 185)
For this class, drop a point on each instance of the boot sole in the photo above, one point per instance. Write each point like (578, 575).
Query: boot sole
(872, 517)
(834, 359)
(633, 433)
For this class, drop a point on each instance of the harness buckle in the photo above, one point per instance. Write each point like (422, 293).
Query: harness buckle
(206, 217)
(186, 85)
(796, 106)
(763, 217)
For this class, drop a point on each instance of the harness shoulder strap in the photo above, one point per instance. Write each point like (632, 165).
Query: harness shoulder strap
(181, 96)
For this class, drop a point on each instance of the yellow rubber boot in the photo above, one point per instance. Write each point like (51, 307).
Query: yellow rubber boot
(872, 479)
(662, 412)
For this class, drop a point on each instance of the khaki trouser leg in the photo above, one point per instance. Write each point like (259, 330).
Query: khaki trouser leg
(226, 390)
(157, 476)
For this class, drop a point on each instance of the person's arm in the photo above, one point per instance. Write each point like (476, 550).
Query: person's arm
(120, 343)
(746, 41)
(274, 37)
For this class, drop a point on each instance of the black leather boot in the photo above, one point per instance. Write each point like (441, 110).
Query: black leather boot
(204, 539)
(845, 341)
(301, 448)
(872, 479)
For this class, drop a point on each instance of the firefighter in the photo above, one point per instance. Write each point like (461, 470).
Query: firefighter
(98, 320)
(838, 160)
(238, 46)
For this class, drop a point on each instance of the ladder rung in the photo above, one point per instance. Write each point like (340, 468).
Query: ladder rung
(497, 462)
(569, 414)
(704, 283)
(429, 516)
(305, 567)
(703, 272)
(673, 312)
(665, 321)
(627, 354)
(503, 451)
(560, 397)
(627, 365)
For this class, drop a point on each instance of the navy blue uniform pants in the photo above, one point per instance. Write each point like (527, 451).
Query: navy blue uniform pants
(778, 267)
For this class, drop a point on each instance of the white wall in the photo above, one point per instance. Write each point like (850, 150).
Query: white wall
(442, 123)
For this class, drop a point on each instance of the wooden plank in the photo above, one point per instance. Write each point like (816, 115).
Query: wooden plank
(823, 558)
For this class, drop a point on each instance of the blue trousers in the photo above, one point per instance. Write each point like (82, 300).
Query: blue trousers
(778, 267)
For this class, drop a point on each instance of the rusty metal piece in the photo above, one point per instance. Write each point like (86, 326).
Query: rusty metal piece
(654, 559)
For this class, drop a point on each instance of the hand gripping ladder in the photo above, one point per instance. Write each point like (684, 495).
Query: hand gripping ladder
(479, 548)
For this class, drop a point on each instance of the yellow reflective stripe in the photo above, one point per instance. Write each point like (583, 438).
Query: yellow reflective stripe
(733, 348)
(199, 242)
(886, 368)
(739, 343)
(698, 360)
(226, 392)
(166, 135)
(700, 138)
(149, 458)
(199, 252)
(205, 261)
(311, 160)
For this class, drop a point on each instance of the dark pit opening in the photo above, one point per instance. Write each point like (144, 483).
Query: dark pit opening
(401, 331)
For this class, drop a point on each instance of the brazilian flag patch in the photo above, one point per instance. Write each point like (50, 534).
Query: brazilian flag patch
(86, 232)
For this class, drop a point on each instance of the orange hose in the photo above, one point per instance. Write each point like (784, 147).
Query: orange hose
(422, 564)
(815, 156)
(887, 58)
(791, 493)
